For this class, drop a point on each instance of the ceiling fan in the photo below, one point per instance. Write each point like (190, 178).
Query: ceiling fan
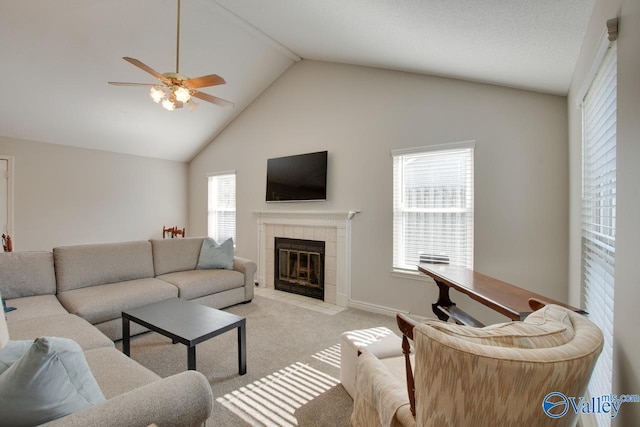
(175, 89)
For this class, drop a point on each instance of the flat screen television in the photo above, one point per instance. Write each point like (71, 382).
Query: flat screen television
(298, 178)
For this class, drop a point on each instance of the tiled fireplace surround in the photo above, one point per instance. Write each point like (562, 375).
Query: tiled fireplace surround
(334, 228)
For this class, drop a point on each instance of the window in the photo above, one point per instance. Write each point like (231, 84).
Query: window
(433, 204)
(222, 206)
(599, 213)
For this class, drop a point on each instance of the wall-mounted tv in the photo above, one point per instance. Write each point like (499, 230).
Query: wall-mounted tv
(298, 178)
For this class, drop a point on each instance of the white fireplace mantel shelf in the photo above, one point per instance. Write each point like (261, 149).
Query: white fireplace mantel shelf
(305, 217)
(295, 224)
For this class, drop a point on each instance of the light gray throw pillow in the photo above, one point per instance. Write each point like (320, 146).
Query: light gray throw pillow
(51, 380)
(12, 352)
(213, 255)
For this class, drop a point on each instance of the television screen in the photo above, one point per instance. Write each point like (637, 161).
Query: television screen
(297, 178)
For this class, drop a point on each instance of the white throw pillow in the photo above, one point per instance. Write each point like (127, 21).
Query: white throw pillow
(51, 380)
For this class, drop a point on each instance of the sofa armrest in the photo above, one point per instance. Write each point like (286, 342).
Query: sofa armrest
(248, 268)
(184, 399)
(244, 266)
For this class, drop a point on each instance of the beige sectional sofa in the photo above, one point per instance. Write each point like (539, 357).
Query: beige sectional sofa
(79, 292)
(97, 282)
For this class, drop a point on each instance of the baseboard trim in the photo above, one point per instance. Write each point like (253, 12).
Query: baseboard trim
(380, 309)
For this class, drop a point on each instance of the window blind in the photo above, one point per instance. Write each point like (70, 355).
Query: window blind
(433, 205)
(222, 207)
(599, 215)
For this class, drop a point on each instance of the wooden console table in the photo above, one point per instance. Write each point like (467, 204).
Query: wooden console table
(514, 302)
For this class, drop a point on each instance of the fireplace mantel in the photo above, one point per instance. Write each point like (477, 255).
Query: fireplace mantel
(333, 227)
(305, 217)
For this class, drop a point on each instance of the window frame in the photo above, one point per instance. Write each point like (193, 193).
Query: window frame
(211, 209)
(404, 269)
(597, 245)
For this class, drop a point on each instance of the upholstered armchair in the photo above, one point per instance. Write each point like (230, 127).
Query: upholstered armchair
(498, 375)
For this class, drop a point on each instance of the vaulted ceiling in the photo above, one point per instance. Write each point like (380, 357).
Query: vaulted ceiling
(57, 57)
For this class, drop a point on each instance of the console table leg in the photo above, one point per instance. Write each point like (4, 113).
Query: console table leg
(443, 301)
(126, 340)
(242, 348)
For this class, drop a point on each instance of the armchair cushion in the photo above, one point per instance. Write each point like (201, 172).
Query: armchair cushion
(545, 328)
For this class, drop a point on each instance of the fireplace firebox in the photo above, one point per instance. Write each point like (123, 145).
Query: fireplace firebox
(299, 267)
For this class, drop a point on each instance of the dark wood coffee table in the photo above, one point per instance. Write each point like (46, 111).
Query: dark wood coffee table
(186, 322)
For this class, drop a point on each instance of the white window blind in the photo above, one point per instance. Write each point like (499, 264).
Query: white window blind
(599, 214)
(222, 206)
(433, 205)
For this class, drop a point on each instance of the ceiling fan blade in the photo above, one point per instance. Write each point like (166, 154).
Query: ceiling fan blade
(132, 84)
(213, 99)
(146, 68)
(204, 81)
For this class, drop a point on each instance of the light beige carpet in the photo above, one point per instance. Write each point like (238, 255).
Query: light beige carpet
(293, 358)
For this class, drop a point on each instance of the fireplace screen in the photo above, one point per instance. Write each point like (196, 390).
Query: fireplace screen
(300, 266)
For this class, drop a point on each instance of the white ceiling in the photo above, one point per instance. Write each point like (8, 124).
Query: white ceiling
(57, 56)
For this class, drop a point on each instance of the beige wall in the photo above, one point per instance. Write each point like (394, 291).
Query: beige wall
(65, 195)
(626, 364)
(359, 114)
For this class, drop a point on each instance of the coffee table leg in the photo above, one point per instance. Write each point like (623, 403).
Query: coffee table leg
(126, 347)
(191, 358)
(242, 348)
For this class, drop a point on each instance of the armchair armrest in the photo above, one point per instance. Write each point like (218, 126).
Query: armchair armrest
(406, 325)
(184, 399)
(379, 394)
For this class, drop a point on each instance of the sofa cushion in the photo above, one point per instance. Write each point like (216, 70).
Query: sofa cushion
(51, 380)
(105, 302)
(60, 325)
(37, 306)
(214, 255)
(196, 283)
(116, 373)
(24, 274)
(90, 265)
(171, 255)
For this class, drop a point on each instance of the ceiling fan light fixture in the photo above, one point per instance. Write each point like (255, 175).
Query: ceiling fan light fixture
(169, 105)
(182, 94)
(157, 94)
(176, 89)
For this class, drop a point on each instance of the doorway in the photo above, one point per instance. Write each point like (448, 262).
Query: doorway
(6, 196)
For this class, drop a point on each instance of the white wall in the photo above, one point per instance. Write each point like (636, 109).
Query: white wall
(626, 364)
(66, 195)
(359, 114)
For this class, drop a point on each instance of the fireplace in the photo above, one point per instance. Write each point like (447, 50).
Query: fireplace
(332, 227)
(299, 266)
